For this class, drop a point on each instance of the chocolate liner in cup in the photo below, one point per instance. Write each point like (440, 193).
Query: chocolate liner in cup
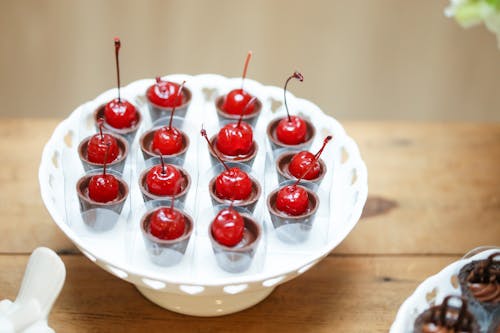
(289, 228)
(482, 306)
(118, 164)
(249, 203)
(460, 319)
(127, 133)
(166, 252)
(146, 142)
(250, 118)
(245, 159)
(157, 111)
(276, 144)
(181, 197)
(238, 258)
(96, 215)
(283, 162)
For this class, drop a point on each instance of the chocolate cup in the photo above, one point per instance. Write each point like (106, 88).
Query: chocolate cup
(433, 316)
(238, 258)
(248, 204)
(247, 159)
(127, 133)
(146, 142)
(488, 307)
(282, 163)
(147, 196)
(157, 111)
(117, 165)
(276, 144)
(97, 215)
(289, 228)
(166, 252)
(250, 118)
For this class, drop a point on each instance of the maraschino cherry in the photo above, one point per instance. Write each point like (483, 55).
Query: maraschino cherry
(304, 164)
(228, 227)
(167, 223)
(236, 139)
(101, 143)
(236, 100)
(104, 187)
(291, 130)
(164, 179)
(168, 139)
(119, 113)
(293, 199)
(165, 93)
(232, 183)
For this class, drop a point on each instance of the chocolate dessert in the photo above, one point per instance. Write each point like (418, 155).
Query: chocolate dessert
(276, 144)
(147, 195)
(250, 118)
(157, 111)
(246, 159)
(166, 252)
(118, 164)
(127, 133)
(146, 143)
(238, 258)
(480, 283)
(248, 203)
(446, 319)
(282, 167)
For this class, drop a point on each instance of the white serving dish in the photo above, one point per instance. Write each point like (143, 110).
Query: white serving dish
(197, 286)
(434, 289)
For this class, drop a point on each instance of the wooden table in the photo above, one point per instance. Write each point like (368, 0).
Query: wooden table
(434, 195)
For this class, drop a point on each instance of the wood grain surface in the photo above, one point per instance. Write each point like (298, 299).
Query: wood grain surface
(434, 194)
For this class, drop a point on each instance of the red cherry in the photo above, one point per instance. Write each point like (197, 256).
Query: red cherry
(163, 180)
(233, 184)
(228, 227)
(291, 131)
(301, 163)
(167, 223)
(235, 140)
(292, 200)
(97, 146)
(103, 188)
(167, 141)
(120, 114)
(235, 102)
(164, 93)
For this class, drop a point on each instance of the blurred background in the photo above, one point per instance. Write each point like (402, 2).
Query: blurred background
(370, 60)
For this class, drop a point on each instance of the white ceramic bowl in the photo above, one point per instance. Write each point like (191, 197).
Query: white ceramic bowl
(433, 290)
(197, 286)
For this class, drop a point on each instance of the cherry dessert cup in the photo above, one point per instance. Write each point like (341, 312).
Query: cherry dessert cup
(118, 164)
(128, 133)
(180, 197)
(283, 162)
(245, 159)
(447, 318)
(248, 203)
(293, 228)
(276, 144)
(166, 252)
(96, 215)
(157, 111)
(146, 142)
(238, 258)
(224, 117)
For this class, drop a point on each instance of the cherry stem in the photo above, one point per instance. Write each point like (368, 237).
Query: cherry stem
(318, 154)
(327, 139)
(172, 202)
(295, 75)
(158, 79)
(245, 67)
(163, 171)
(179, 93)
(117, 49)
(250, 102)
(100, 123)
(204, 134)
(105, 159)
